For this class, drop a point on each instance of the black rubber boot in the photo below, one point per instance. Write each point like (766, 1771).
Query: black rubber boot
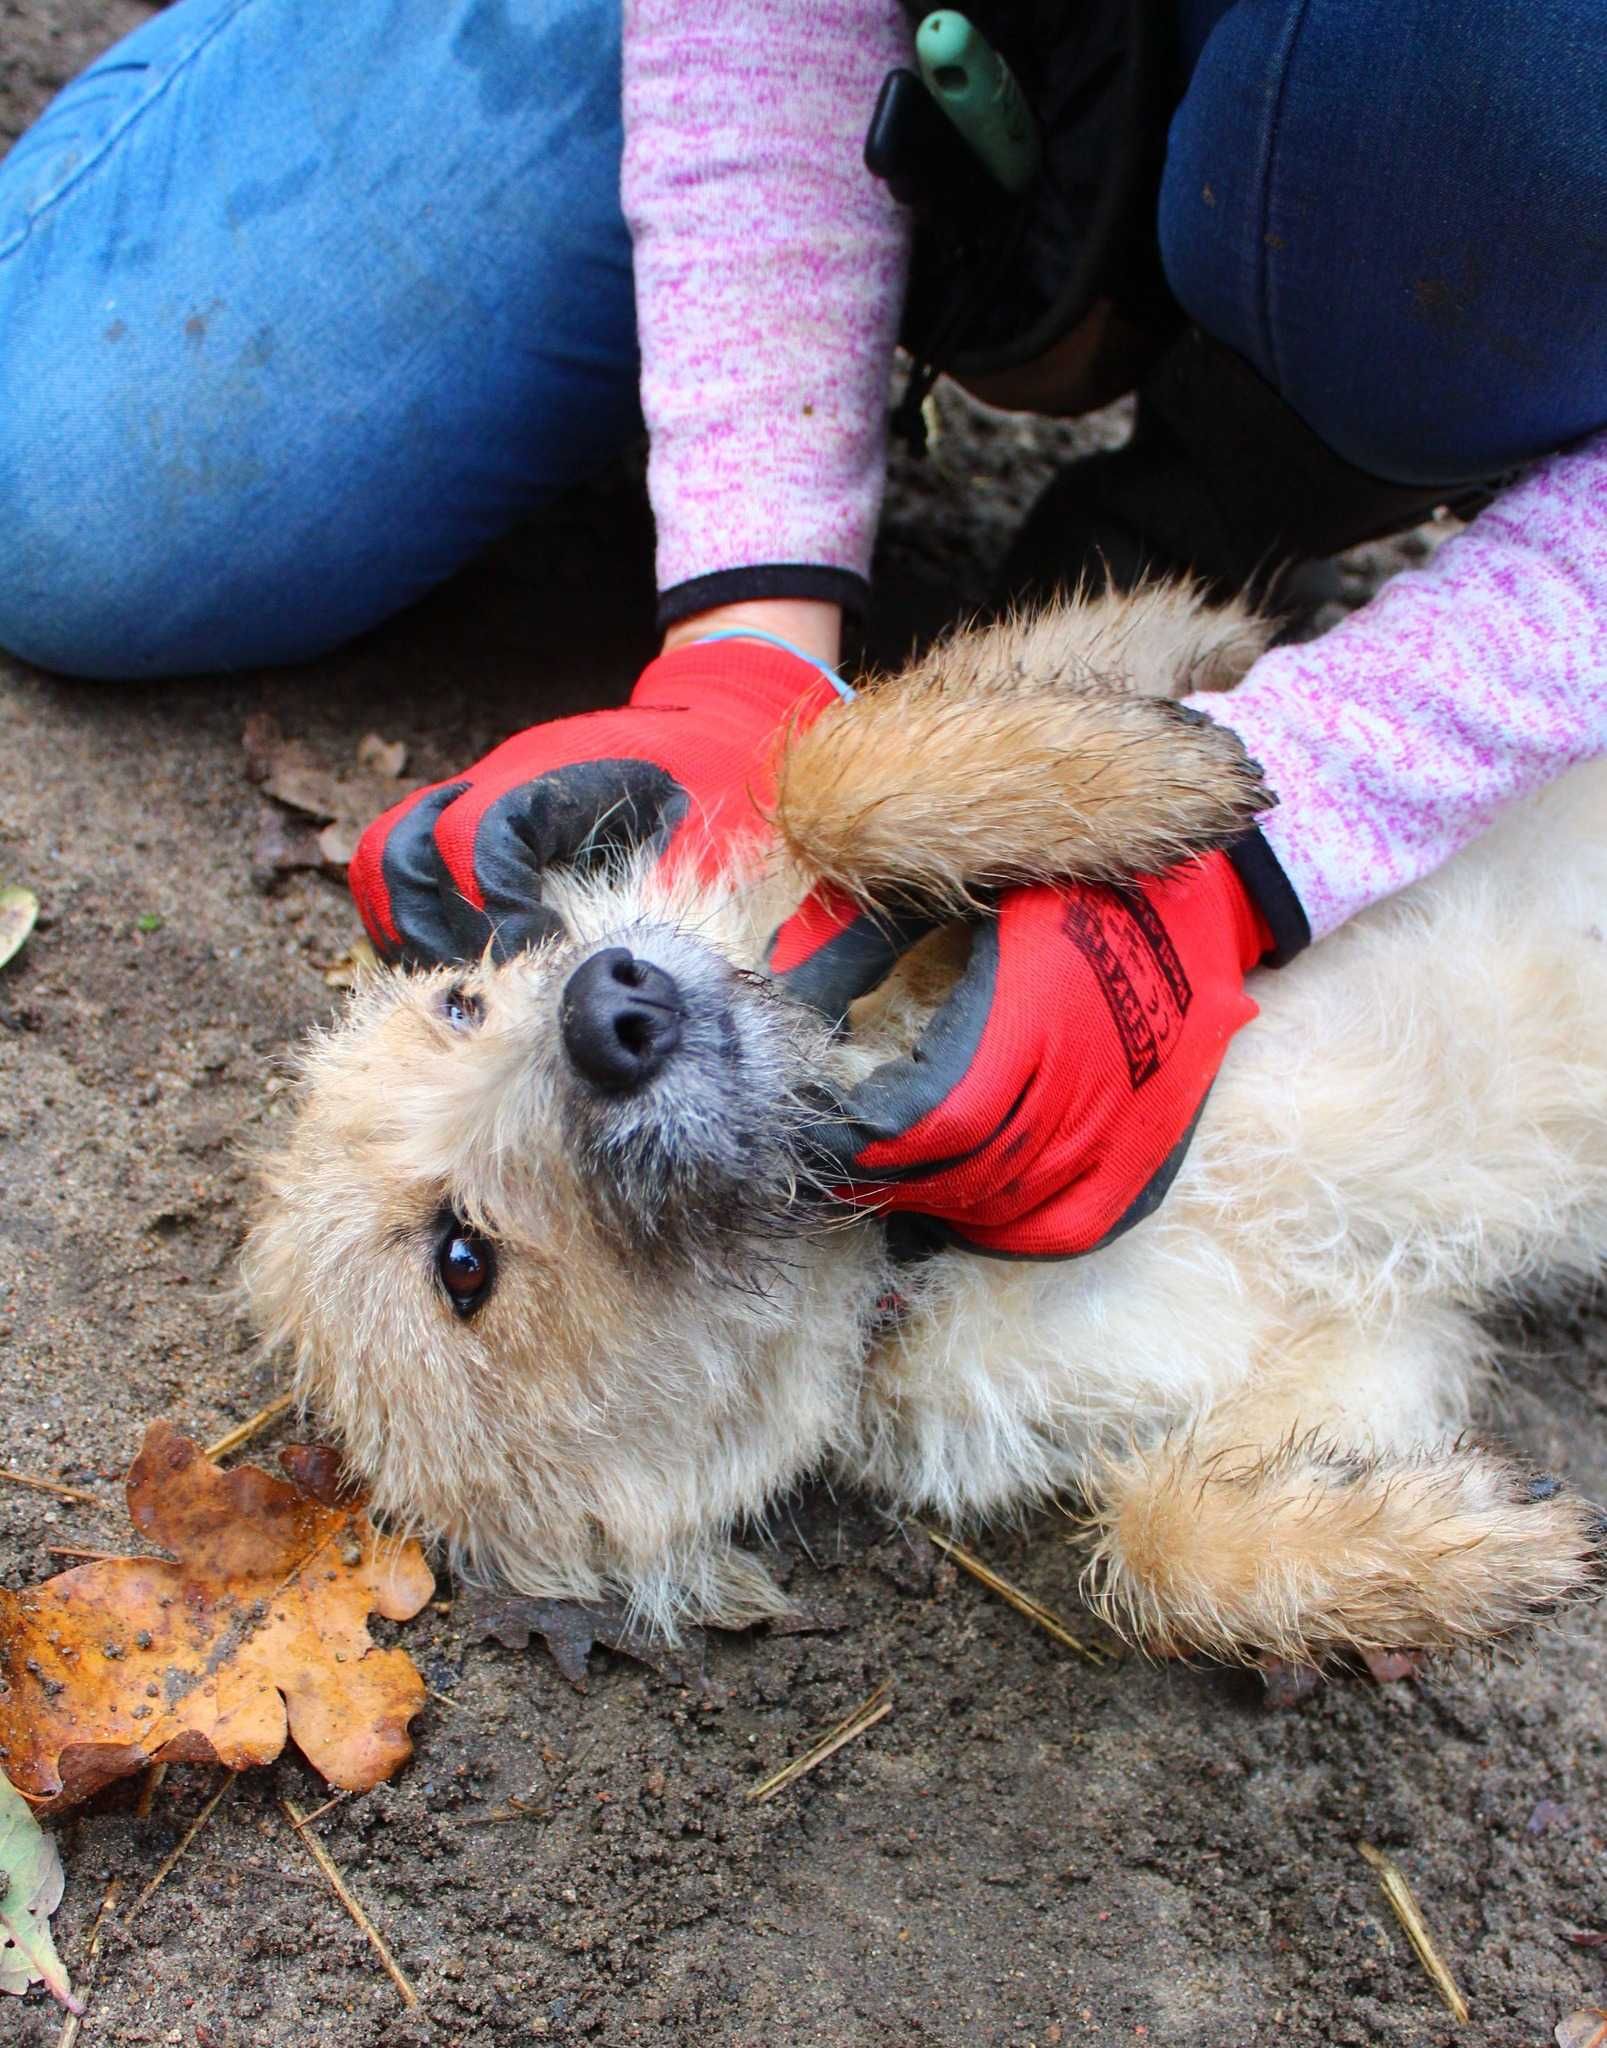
(1221, 479)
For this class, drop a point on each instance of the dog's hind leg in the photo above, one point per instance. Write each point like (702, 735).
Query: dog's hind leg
(1336, 1507)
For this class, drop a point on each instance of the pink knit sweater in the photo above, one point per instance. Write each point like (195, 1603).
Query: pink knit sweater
(1396, 738)
(769, 270)
(769, 276)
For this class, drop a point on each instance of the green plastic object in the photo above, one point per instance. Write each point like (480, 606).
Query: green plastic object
(978, 91)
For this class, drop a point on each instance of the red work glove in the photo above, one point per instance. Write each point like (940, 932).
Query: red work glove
(685, 766)
(1050, 1101)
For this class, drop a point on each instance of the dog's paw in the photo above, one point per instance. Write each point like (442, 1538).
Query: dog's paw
(1311, 1554)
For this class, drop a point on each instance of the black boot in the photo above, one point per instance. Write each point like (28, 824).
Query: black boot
(1221, 479)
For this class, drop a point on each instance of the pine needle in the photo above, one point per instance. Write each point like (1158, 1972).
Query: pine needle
(326, 1864)
(865, 1715)
(1399, 1894)
(51, 1486)
(254, 1425)
(1023, 1603)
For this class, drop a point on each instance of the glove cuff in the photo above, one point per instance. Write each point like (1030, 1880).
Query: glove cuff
(749, 678)
(1273, 894)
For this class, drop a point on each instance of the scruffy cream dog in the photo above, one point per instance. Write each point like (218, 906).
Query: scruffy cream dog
(581, 1334)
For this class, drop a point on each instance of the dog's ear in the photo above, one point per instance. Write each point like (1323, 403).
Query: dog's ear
(1040, 749)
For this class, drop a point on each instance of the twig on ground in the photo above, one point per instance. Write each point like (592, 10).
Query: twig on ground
(86, 1983)
(326, 1864)
(1399, 1894)
(318, 1812)
(51, 1486)
(865, 1715)
(73, 1550)
(108, 1906)
(173, 1855)
(518, 1809)
(1023, 1603)
(254, 1425)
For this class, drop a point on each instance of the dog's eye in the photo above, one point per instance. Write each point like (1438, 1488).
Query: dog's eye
(467, 1266)
(461, 1007)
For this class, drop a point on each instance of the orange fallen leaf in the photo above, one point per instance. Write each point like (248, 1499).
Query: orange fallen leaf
(258, 1628)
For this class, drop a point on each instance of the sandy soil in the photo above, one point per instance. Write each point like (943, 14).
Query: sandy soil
(1026, 1851)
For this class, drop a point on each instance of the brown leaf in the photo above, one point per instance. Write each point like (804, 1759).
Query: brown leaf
(381, 757)
(338, 802)
(258, 737)
(570, 1629)
(320, 1470)
(358, 959)
(1587, 2029)
(295, 777)
(282, 846)
(260, 1625)
(338, 842)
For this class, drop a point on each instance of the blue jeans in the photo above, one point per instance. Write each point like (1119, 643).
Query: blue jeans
(301, 304)
(1396, 210)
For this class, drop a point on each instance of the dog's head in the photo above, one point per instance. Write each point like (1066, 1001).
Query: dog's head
(546, 1246)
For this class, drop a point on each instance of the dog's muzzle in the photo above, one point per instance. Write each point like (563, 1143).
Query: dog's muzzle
(620, 1019)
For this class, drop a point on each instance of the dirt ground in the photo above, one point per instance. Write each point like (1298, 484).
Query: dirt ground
(1026, 1851)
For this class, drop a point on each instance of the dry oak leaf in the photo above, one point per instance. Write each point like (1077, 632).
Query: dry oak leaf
(259, 1626)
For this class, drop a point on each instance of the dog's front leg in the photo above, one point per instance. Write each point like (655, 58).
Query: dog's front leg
(1336, 1507)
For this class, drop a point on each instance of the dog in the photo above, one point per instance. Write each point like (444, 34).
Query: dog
(582, 1336)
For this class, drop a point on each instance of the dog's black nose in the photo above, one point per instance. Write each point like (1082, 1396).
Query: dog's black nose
(620, 1018)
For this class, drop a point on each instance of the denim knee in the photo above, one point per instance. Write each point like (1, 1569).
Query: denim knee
(1393, 211)
(118, 564)
(269, 369)
(91, 586)
(75, 599)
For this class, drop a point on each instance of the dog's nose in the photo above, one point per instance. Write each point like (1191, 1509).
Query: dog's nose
(620, 1018)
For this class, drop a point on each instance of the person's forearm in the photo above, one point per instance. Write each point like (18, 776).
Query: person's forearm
(1396, 738)
(769, 277)
(804, 623)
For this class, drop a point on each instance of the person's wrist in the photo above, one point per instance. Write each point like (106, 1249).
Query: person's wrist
(814, 627)
(755, 686)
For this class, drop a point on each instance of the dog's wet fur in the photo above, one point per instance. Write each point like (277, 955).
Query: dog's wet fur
(1262, 1397)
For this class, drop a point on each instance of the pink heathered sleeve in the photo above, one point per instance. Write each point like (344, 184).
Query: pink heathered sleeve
(769, 277)
(1396, 738)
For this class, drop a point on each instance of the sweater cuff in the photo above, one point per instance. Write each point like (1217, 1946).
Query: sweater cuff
(763, 579)
(1273, 894)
